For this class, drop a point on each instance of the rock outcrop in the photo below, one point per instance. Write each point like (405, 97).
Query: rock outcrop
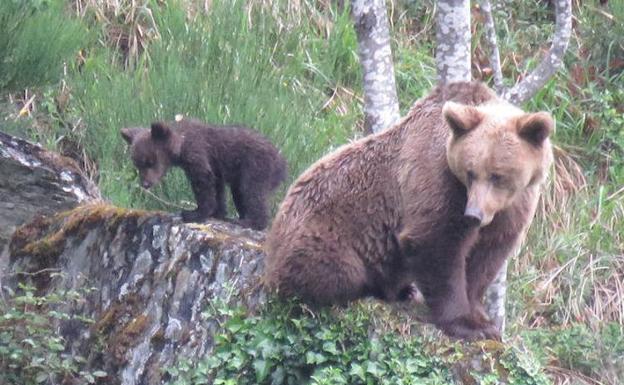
(153, 277)
(35, 181)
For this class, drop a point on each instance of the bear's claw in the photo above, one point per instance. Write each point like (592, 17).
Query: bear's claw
(469, 330)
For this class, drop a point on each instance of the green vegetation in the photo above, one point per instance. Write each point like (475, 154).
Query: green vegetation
(31, 352)
(290, 69)
(291, 344)
(35, 40)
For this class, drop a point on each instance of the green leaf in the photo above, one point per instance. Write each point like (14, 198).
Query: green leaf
(330, 347)
(41, 377)
(315, 358)
(374, 369)
(261, 368)
(357, 371)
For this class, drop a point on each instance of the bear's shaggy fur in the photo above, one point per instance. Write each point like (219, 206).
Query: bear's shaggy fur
(440, 199)
(211, 156)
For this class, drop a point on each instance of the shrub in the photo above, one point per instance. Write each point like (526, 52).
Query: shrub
(31, 349)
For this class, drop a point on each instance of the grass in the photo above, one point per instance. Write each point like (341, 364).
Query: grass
(35, 40)
(211, 70)
(290, 70)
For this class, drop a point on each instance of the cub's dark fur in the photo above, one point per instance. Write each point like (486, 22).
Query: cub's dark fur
(211, 156)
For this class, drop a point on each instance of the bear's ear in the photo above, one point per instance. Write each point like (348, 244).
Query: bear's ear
(160, 131)
(461, 118)
(535, 128)
(128, 134)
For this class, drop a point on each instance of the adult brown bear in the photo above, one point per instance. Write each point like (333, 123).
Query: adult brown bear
(440, 199)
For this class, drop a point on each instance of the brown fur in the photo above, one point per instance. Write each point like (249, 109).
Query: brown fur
(211, 156)
(399, 207)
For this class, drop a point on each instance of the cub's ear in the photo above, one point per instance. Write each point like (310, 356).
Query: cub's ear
(128, 134)
(461, 118)
(160, 131)
(536, 127)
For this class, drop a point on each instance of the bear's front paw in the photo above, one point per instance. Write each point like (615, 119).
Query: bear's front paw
(192, 216)
(469, 329)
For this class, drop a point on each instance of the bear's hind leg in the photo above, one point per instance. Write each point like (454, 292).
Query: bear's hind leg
(250, 200)
(323, 276)
(220, 211)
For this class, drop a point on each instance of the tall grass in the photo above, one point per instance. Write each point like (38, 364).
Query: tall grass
(278, 82)
(36, 39)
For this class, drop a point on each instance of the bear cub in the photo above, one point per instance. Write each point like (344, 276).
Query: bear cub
(440, 199)
(211, 156)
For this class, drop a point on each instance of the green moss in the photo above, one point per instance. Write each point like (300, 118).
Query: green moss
(121, 327)
(44, 238)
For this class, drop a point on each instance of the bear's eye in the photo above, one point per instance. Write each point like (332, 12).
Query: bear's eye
(496, 179)
(470, 176)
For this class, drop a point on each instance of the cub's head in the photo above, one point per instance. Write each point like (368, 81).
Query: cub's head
(152, 151)
(497, 151)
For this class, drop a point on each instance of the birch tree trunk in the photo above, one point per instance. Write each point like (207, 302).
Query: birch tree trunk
(454, 64)
(490, 34)
(453, 41)
(381, 106)
(552, 61)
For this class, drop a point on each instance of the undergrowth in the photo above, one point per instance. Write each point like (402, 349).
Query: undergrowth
(31, 351)
(365, 344)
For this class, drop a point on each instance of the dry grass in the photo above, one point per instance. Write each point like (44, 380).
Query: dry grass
(129, 25)
(583, 283)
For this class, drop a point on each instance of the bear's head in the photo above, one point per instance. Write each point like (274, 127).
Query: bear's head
(153, 150)
(497, 151)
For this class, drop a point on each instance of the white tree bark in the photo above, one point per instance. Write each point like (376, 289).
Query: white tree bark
(553, 60)
(381, 105)
(453, 64)
(453, 41)
(490, 35)
(495, 297)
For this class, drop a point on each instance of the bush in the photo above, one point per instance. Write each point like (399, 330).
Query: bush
(31, 350)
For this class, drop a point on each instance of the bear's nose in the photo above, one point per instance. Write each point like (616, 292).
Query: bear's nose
(474, 213)
(146, 185)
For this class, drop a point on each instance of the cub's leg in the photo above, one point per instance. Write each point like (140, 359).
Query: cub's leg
(250, 197)
(204, 189)
(221, 209)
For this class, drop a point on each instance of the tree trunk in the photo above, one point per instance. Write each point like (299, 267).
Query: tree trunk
(490, 36)
(453, 41)
(552, 61)
(381, 106)
(453, 64)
